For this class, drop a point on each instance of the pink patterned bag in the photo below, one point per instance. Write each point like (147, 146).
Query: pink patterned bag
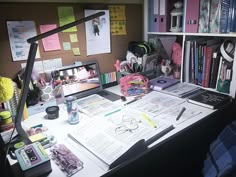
(134, 84)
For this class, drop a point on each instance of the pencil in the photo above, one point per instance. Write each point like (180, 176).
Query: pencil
(180, 113)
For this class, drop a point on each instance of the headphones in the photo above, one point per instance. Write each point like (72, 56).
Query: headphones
(139, 48)
(227, 50)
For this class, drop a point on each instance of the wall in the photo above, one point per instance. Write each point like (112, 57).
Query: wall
(46, 13)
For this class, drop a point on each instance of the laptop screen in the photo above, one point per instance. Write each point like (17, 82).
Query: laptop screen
(80, 80)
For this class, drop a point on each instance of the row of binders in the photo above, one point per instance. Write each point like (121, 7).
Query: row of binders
(199, 16)
(204, 64)
(210, 16)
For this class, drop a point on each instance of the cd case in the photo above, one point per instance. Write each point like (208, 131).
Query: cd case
(162, 82)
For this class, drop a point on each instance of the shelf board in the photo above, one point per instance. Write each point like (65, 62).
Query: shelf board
(166, 33)
(195, 34)
(212, 34)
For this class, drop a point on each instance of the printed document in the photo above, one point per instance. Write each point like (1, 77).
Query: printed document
(164, 107)
(96, 105)
(110, 137)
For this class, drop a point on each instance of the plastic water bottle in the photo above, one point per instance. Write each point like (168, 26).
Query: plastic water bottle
(72, 110)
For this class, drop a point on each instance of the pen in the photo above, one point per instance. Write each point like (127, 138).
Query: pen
(130, 102)
(180, 113)
(149, 120)
(112, 112)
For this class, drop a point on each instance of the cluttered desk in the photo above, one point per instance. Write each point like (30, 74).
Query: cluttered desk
(107, 132)
(94, 134)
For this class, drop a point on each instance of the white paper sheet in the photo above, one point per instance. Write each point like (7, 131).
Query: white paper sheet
(19, 32)
(98, 33)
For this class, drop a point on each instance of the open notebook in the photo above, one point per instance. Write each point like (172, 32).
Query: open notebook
(83, 80)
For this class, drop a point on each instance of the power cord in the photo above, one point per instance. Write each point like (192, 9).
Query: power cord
(8, 146)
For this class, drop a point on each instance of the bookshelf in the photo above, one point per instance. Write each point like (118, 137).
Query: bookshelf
(185, 35)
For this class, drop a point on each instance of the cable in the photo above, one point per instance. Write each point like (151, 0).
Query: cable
(8, 147)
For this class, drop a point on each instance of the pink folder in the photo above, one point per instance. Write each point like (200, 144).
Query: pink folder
(163, 16)
(192, 16)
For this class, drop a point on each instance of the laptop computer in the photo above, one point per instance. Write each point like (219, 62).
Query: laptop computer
(83, 80)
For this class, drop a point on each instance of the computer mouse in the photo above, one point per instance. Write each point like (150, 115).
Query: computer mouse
(123, 98)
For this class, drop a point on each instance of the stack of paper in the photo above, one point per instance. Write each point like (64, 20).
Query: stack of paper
(181, 89)
(114, 136)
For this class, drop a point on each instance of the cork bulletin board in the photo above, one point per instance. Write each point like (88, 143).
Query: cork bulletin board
(46, 13)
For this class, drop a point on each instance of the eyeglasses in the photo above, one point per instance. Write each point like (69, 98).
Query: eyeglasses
(128, 124)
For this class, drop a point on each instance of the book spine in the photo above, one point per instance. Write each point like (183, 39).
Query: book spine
(233, 18)
(196, 52)
(229, 23)
(214, 22)
(163, 16)
(203, 66)
(207, 69)
(225, 4)
(151, 21)
(204, 16)
(187, 62)
(214, 69)
(192, 16)
(219, 74)
(200, 64)
(192, 62)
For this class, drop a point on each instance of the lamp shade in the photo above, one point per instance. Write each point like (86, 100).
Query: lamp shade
(6, 89)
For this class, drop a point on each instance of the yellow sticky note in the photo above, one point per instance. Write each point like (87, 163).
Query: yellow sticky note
(37, 137)
(76, 51)
(73, 38)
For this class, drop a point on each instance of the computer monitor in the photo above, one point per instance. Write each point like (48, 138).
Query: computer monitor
(80, 80)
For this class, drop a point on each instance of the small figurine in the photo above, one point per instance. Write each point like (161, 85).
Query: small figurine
(166, 67)
(177, 57)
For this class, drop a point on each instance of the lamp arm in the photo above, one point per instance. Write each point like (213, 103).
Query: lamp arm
(24, 91)
(29, 69)
(61, 28)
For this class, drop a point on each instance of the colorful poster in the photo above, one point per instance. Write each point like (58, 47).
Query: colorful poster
(52, 42)
(118, 19)
(66, 15)
(98, 33)
(19, 32)
(117, 12)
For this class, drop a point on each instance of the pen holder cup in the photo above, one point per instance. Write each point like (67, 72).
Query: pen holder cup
(72, 110)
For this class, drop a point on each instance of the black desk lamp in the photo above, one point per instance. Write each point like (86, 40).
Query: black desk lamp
(29, 68)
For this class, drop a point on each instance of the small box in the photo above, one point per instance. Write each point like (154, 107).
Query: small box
(34, 160)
